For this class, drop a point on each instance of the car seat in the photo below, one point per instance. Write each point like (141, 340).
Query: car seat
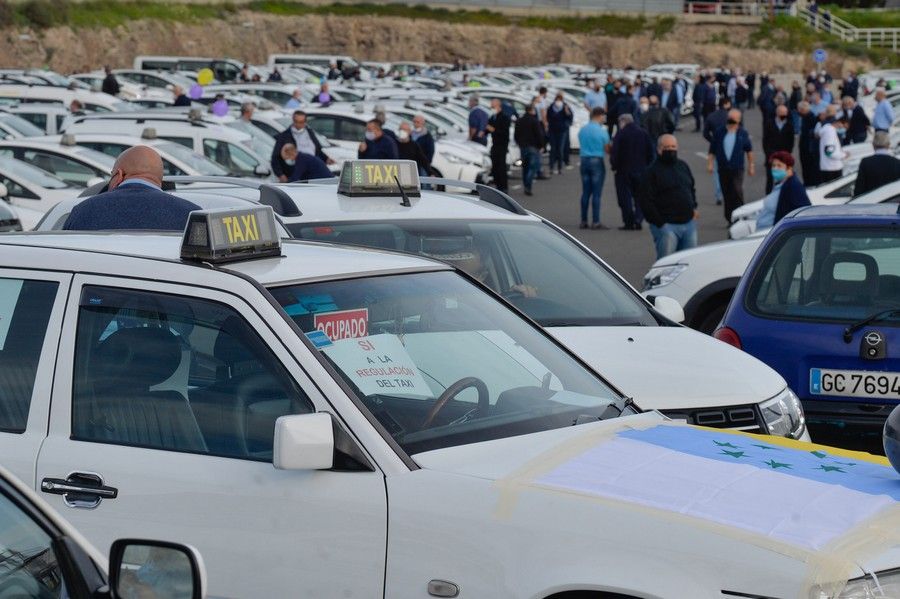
(846, 291)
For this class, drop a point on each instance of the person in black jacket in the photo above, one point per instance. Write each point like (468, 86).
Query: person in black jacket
(377, 145)
(304, 167)
(668, 199)
(407, 149)
(630, 153)
(877, 170)
(808, 145)
(658, 121)
(110, 84)
(529, 136)
(498, 126)
(303, 138)
(180, 98)
(778, 136)
(858, 122)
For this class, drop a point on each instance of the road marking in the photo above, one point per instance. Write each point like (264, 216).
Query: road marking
(701, 155)
(516, 187)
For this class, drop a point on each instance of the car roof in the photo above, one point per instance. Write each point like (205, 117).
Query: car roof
(844, 212)
(300, 261)
(322, 203)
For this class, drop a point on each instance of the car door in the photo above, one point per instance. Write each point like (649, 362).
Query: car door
(31, 312)
(168, 394)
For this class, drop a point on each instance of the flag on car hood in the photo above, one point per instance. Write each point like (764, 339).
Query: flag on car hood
(794, 492)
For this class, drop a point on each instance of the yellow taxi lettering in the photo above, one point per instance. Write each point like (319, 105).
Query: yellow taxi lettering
(250, 230)
(227, 222)
(391, 171)
(236, 232)
(370, 169)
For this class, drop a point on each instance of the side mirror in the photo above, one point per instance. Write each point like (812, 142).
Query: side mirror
(304, 442)
(262, 170)
(668, 307)
(141, 568)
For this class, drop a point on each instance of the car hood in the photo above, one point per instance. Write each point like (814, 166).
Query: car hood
(666, 368)
(713, 492)
(685, 256)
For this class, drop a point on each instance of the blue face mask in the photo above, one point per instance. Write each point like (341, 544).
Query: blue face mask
(778, 175)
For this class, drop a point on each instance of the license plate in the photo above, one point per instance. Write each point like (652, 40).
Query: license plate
(854, 383)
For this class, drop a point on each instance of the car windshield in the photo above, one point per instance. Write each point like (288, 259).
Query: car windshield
(440, 363)
(31, 174)
(537, 269)
(831, 274)
(21, 126)
(198, 162)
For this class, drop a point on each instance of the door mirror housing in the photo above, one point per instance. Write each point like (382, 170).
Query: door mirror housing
(262, 170)
(304, 442)
(668, 307)
(142, 568)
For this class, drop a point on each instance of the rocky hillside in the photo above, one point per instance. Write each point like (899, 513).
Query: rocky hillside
(252, 36)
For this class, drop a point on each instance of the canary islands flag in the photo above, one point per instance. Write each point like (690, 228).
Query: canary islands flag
(797, 493)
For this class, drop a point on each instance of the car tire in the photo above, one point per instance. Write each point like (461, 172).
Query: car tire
(711, 321)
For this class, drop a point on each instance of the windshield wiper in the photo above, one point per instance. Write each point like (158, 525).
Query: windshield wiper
(848, 332)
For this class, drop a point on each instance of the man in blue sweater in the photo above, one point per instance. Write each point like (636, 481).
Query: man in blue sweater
(377, 145)
(134, 199)
(731, 149)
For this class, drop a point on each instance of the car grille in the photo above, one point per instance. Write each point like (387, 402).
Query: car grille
(743, 418)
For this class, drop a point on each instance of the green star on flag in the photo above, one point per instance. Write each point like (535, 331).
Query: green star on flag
(819, 454)
(776, 465)
(846, 463)
(720, 444)
(761, 446)
(734, 454)
(830, 468)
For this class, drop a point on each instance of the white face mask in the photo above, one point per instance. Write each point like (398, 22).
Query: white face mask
(290, 162)
(370, 136)
(300, 129)
(558, 105)
(403, 134)
(419, 129)
(645, 107)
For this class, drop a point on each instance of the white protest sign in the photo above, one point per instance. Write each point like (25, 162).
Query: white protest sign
(379, 364)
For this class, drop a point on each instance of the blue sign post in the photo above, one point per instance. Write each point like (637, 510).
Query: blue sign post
(819, 55)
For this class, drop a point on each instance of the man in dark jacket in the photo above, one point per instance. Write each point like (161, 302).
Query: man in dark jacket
(658, 121)
(808, 145)
(625, 104)
(710, 125)
(529, 137)
(134, 199)
(778, 135)
(668, 199)
(110, 84)
(631, 153)
(879, 169)
(303, 138)
(699, 96)
(732, 151)
(792, 193)
(377, 145)
(407, 149)
(422, 136)
(180, 98)
(304, 167)
(858, 122)
(498, 126)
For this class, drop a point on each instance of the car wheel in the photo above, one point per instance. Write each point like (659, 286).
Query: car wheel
(711, 321)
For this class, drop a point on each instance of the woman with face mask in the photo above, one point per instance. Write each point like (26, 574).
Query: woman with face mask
(559, 119)
(787, 195)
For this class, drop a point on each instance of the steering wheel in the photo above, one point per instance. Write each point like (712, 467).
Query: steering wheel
(454, 390)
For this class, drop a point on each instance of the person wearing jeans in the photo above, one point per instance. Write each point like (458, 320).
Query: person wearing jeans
(731, 151)
(529, 136)
(594, 140)
(668, 198)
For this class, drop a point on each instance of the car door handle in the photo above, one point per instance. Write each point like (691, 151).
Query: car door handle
(80, 489)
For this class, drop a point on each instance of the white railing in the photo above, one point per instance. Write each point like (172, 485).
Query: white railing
(882, 37)
(734, 9)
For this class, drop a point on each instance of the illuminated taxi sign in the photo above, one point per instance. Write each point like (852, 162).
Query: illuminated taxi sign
(228, 234)
(379, 178)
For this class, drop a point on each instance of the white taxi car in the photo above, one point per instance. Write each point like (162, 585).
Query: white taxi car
(334, 422)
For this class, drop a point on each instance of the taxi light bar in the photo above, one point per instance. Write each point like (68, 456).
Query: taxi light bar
(362, 178)
(229, 234)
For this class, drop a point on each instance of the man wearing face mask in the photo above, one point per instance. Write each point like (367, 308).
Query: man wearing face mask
(668, 199)
(377, 145)
(407, 149)
(658, 121)
(807, 144)
(559, 118)
(778, 136)
(858, 122)
(787, 195)
(304, 166)
(301, 137)
(732, 151)
(422, 136)
(498, 126)
(831, 156)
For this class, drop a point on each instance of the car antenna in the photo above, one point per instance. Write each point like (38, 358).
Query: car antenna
(405, 201)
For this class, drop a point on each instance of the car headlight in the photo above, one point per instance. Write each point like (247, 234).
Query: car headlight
(882, 584)
(784, 415)
(663, 275)
(456, 159)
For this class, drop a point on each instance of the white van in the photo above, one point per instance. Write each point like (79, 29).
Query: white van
(93, 101)
(318, 60)
(225, 69)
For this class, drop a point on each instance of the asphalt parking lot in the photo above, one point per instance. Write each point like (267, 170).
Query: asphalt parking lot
(631, 252)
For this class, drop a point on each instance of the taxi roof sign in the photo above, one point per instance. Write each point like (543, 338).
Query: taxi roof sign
(360, 178)
(230, 234)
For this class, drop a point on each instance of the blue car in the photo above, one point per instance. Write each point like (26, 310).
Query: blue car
(820, 304)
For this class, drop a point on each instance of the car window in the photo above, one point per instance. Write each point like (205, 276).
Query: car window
(439, 362)
(22, 126)
(70, 171)
(537, 269)
(110, 149)
(175, 373)
(37, 119)
(352, 130)
(198, 162)
(187, 142)
(25, 308)
(236, 161)
(844, 191)
(324, 125)
(28, 565)
(832, 274)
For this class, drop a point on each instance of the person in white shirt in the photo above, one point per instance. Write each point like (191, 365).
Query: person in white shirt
(831, 156)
